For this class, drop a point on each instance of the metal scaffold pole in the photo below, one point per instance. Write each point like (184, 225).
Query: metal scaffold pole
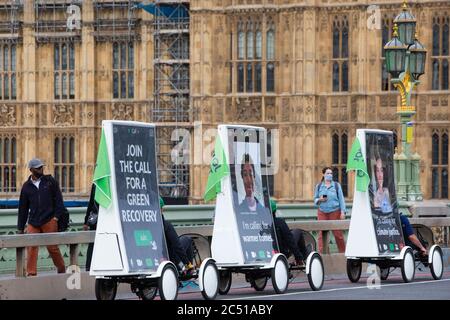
(171, 93)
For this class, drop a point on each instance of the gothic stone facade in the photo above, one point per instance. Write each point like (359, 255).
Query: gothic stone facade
(309, 71)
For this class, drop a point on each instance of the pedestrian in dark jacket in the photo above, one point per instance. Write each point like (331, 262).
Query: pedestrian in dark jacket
(91, 211)
(289, 242)
(40, 206)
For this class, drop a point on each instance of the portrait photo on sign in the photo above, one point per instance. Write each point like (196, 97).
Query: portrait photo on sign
(383, 198)
(250, 194)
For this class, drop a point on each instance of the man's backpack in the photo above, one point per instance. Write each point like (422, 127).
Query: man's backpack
(64, 221)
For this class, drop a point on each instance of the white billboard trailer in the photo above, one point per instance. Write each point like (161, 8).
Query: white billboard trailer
(375, 229)
(129, 237)
(375, 235)
(244, 235)
(130, 244)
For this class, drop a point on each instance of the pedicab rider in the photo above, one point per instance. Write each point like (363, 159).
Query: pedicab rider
(411, 239)
(180, 249)
(289, 242)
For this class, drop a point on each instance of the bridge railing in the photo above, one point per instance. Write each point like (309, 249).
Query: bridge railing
(74, 239)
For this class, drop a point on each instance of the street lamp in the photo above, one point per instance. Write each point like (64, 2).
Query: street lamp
(405, 61)
(406, 23)
(417, 58)
(395, 55)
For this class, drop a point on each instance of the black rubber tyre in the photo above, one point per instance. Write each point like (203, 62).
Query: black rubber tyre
(105, 289)
(147, 293)
(354, 268)
(259, 284)
(225, 280)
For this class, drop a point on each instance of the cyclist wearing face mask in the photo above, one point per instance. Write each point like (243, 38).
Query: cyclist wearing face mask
(330, 199)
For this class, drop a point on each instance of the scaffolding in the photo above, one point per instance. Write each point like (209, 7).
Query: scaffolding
(10, 21)
(171, 98)
(115, 20)
(51, 21)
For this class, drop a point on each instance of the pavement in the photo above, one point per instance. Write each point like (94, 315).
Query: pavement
(51, 286)
(336, 287)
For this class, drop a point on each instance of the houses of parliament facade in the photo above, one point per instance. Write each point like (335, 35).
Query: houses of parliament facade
(310, 71)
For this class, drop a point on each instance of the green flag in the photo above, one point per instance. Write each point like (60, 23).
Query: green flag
(102, 175)
(357, 162)
(219, 168)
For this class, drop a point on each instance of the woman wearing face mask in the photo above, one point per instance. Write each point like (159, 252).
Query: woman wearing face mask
(330, 199)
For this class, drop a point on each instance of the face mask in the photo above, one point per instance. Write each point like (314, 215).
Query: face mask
(328, 177)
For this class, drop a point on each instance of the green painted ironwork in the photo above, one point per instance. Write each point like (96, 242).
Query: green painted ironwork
(184, 215)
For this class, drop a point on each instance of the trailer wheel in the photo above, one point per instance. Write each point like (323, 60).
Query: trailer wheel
(354, 268)
(105, 289)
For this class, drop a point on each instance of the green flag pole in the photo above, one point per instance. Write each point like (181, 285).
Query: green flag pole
(357, 163)
(102, 175)
(219, 169)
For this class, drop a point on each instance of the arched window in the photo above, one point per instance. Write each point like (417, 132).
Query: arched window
(123, 70)
(7, 150)
(444, 75)
(64, 85)
(6, 58)
(344, 42)
(445, 39)
(270, 86)
(444, 153)
(344, 76)
(64, 162)
(250, 51)
(241, 44)
(258, 44)
(250, 45)
(340, 54)
(336, 76)
(6, 86)
(115, 55)
(435, 81)
(240, 76)
(270, 45)
(64, 57)
(435, 39)
(335, 149)
(336, 35)
(64, 71)
(440, 55)
(249, 87)
(339, 156)
(435, 149)
(258, 77)
(8, 163)
(439, 164)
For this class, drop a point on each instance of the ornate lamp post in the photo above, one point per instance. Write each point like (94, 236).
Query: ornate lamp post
(405, 61)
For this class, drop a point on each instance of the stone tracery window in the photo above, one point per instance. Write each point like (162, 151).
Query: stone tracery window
(8, 81)
(440, 53)
(250, 62)
(340, 54)
(64, 162)
(8, 163)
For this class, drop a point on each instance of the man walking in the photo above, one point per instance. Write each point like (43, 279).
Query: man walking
(40, 205)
